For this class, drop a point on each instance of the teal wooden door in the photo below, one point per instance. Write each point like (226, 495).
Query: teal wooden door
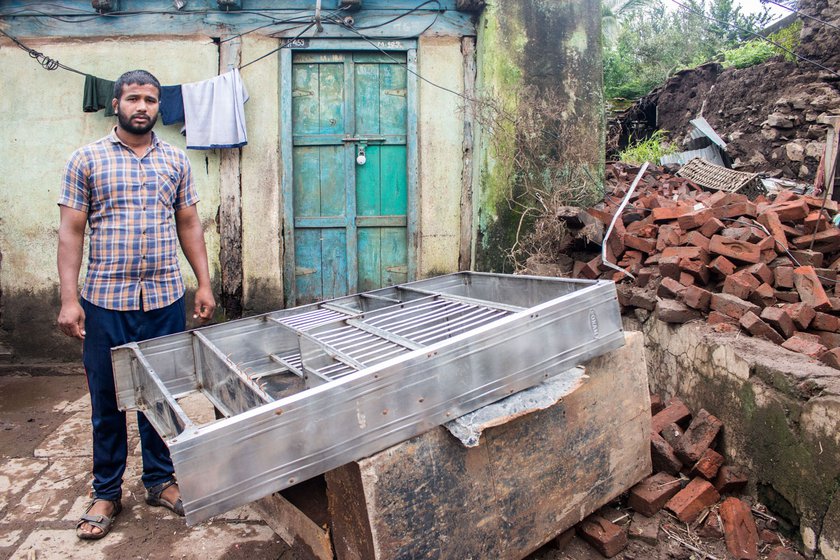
(350, 212)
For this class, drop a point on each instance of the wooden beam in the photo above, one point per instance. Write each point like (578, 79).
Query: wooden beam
(470, 5)
(298, 531)
(230, 207)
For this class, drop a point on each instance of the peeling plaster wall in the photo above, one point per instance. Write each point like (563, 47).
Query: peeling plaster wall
(781, 415)
(42, 125)
(441, 132)
(548, 45)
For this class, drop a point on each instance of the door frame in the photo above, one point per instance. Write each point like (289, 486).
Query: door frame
(409, 46)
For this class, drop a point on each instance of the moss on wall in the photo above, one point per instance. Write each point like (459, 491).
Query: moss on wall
(527, 46)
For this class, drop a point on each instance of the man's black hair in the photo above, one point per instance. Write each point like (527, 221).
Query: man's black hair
(139, 77)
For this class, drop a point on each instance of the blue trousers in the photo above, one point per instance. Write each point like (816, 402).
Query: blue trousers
(104, 329)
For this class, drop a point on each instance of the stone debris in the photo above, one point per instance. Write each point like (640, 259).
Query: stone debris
(768, 265)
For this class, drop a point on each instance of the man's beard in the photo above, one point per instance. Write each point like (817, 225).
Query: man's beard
(128, 126)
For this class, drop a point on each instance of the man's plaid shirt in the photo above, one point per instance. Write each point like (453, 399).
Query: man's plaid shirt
(130, 202)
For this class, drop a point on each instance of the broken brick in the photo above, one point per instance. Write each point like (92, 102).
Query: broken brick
(771, 221)
(753, 324)
(825, 322)
(740, 285)
(687, 253)
(778, 318)
(662, 456)
(831, 358)
(671, 433)
(686, 279)
(827, 339)
(710, 462)
(697, 239)
(739, 529)
(712, 527)
(693, 499)
(783, 277)
(645, 529)
(763, 296)
(790, 211)
(711, 227)
(761, 272)
(695, 219)
(650, 495)
(809, 288)
(670, 288)
(825, 241)
(732, 306)
(801, 314)
(697, 298)
(675, 412)
(800, 344)
(669, 214)
(669, 267)
(735, 210)
(769, 537)
(698, 437)
(698, 270)
(731, 480)
(725, 267)
(642, 244)
(672, 311)
(716, 318)
(607, 538)
(815, 222)
(806, 257)
(786, 297)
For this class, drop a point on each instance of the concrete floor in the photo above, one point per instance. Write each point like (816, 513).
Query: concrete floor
(45, 456)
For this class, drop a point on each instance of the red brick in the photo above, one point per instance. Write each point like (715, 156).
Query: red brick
(693, 499)
(732, 306)
(727, 328)
(769, 537)
(740, 285)
(698, 437)
(656, 404)
(671, 433)
(782, 553)
(767, 243)
(768, 256)
(806, 257)
(739, 529)
(778, 318)
(801, 314)
(763, 296)
(711, 227)
(783, 276)
(712, 527)
(735, 210)
(828, 278)
(668, 214)
(826, 241)
(738, 233)
(809, 336)
(827, 339)
(662, 456)
(644, 529)
(670, 288)
(633, 296)
(735, 249)
(697, 269)
(697, 298)
(686, 279)
(758, 328)
(831, 358)
(708, 465)
(731, 480)
(669, 267)
(643, 244)
(790, 211)
(607, 538)
(725, 267)
(771, 221)
(786, 297)
(786, 196)
(697, 239)
(669, 236)
(825, 322)
(716, 318)
(602, 216)
(810, 289)
(695, 219)
(761, 272)
(797, 343)
(672, 311)
(650, 495)
(686, 253)
(815, 221)
(674, 413)
(816, 202)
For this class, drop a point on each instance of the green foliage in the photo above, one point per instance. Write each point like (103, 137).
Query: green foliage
(654, 42)
(650, 149)
(758, 50)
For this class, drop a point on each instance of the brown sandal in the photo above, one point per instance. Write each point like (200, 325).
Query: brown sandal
(154, 497)
(99, 521)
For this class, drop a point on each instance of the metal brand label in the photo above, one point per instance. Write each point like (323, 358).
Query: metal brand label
(593, 323)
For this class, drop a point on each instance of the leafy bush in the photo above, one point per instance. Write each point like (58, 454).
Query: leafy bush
(650, 149)
(758, 50)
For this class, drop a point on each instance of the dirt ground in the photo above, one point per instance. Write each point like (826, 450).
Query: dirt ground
(44, 483)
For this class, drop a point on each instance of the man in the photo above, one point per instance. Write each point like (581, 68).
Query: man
(127, 187)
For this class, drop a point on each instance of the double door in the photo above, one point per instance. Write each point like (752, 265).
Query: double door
(349, 180)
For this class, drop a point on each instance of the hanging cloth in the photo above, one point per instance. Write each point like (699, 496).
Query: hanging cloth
(171, 105)
(214, 112)
(97, 95)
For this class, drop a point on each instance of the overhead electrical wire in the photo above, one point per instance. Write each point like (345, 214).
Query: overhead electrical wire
(754, 34)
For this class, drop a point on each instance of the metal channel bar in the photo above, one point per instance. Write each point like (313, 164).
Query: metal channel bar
(422, 314)
(225, 385)
(288, 364)
(464, 299)
(312, 318)
(156, 402)
(333, 353)
(380, 298)
(463, 321)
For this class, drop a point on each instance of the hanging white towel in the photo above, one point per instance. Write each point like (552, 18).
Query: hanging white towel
(214, 112)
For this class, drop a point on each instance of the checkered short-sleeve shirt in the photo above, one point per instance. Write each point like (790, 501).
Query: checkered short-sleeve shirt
(130, 203)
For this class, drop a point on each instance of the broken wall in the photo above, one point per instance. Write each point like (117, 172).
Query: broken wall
(548, 47)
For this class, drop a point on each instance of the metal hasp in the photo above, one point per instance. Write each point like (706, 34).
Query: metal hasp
(308, 389)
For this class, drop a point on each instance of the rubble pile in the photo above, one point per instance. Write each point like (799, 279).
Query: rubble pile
(692, 493)
(766, 267)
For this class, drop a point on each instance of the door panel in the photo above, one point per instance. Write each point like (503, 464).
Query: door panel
(350, 219)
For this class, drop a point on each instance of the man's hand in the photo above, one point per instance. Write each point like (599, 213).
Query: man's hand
(205, 305)
(71, 320)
